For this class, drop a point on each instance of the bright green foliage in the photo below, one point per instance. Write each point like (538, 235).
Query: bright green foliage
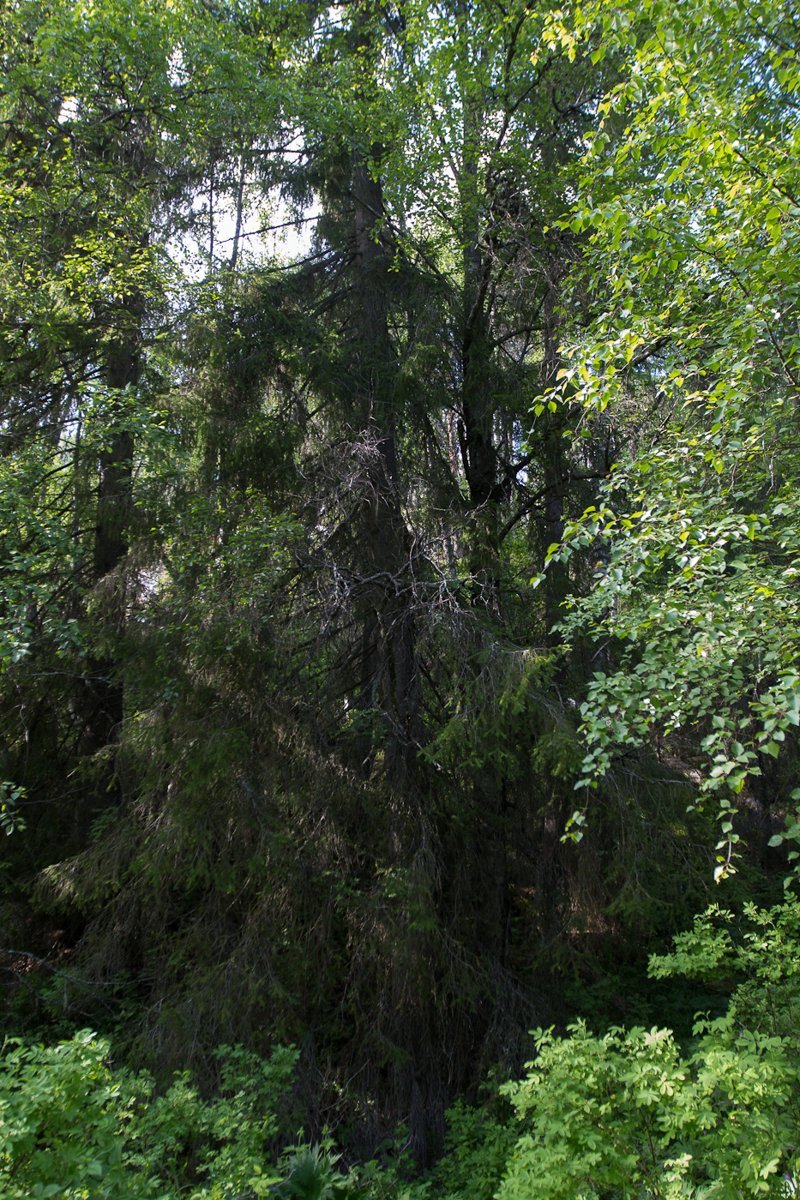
(64, 1117)
(758, 951)
(480, 1142)
(10, 796)
(74, 1127)
(627, 1114)
(223, 1143)
(690, 213)
(310, 1173)
(631, 1113)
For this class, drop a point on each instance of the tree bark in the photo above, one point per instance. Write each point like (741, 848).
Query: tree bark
(389, 638)
(104, 702)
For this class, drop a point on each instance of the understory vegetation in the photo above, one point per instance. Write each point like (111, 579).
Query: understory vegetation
(400, 598)
(627, 1112)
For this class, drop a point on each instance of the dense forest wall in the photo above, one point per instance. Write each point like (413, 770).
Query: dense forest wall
(398, 523)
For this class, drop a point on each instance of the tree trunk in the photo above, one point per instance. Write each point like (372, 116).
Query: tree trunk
(104, 700)
(389, 639)
(555, 464)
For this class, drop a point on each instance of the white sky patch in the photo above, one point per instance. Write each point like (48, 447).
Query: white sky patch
(68, 110)
(268, 232)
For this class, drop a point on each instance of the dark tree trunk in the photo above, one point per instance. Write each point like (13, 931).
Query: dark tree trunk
(104, 699)
(478, 402)
(389, 639)
(555, 463)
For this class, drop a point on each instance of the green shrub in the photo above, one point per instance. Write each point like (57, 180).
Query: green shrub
(627, 1114)
(66, 1123)
(631, 1114)
(73, 1127)
(479, 1143)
